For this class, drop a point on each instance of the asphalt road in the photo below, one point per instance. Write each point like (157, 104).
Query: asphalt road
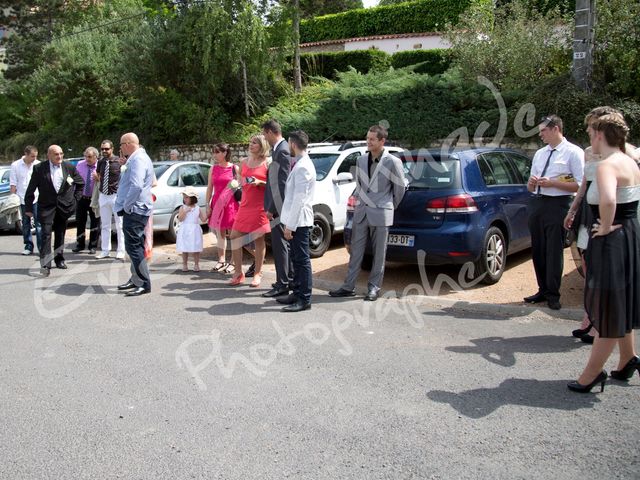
(200, 380)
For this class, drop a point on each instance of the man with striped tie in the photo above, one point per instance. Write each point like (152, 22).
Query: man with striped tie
(108, 178)
(86, 168)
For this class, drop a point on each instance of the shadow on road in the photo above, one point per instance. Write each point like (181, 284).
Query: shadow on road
(502, 351)
(481, 402)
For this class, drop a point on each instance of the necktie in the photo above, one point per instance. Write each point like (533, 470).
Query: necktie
(546, 165)
(105, 178)
(87, 183)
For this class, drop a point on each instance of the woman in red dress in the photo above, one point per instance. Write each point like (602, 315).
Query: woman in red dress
(251, 221)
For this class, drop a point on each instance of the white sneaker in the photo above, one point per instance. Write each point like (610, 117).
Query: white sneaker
(120, 255)
(102, 255)
(26, 252)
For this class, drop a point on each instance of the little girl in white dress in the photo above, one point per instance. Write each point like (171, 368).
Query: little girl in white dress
(189, 237)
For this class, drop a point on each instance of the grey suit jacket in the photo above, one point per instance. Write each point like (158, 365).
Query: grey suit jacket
(378, 196)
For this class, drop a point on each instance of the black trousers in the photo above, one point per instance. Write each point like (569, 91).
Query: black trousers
(280, 248)
(55, 223)
(546, 217)
(82, 211)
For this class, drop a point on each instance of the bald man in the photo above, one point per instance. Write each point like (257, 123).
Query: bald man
(59, 188)
(134, 205)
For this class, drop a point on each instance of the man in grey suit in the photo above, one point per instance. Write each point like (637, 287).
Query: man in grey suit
(273, 200)
(380, 187)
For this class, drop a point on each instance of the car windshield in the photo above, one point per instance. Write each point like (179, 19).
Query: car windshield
(160, 169)
(424, 171)
(323, 163)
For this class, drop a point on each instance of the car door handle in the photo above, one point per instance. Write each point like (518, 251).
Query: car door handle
(505, 199)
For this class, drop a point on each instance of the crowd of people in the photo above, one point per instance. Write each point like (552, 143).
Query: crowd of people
(271, 191)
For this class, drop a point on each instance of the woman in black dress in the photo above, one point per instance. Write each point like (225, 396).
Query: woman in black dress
(612, 286)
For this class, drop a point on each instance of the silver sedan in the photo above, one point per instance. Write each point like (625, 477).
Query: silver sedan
(173, 177)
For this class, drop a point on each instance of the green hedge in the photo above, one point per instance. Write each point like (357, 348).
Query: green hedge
(327, 64)
(431, 62)
(411, 17)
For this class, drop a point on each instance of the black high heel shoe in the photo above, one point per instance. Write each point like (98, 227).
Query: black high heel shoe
(577, 387)
(582, 331)
(627, 372)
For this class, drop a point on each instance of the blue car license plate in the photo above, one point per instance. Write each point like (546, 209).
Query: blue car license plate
(400, 240)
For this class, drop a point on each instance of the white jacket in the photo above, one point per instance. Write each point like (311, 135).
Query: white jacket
(297, 208)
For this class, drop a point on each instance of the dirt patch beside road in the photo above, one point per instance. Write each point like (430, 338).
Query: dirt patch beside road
(517, 282)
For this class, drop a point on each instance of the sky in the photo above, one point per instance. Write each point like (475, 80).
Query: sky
(370, 3)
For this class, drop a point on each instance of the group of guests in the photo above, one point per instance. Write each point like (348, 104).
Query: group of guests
(52, 191)
(599, 200)
(276, 197)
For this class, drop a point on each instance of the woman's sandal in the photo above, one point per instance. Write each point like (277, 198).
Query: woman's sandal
(229, 269)
(219, 266)
(257, 278)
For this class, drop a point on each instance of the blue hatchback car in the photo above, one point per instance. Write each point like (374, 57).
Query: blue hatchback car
(464, 206)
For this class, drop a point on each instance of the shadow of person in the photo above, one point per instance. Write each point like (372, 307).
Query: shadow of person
(501, 351)
(481, 402)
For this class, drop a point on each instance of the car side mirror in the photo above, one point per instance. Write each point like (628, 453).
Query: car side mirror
(343, 177)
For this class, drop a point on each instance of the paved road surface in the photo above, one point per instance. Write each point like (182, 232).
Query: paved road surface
(199, 380)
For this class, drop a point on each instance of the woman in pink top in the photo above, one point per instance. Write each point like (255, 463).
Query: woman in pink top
(251, 222)
(222, 207)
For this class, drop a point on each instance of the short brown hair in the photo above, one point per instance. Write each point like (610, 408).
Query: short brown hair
(380, 131)
(273, 126)
(552, 121)
(614, 128)
(29, 149)
(300, 139)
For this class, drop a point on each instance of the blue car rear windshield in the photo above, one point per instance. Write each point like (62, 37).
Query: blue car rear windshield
(424, 171)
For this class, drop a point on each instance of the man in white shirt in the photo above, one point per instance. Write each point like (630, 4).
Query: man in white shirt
(20, 175)
(556, 174)
(296, 218)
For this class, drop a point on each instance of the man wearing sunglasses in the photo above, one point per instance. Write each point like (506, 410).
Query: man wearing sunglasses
(108, 178)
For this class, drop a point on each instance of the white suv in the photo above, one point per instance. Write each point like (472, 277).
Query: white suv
(335, 166)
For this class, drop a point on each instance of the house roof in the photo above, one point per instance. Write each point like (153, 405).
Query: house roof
(373, 37)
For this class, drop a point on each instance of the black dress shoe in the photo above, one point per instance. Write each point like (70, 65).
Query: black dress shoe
(628, 370)
(372, 295)
(137, 292)
(45, 271)
(299, 306)
(288, 300)
(92, 251)
(578, 387)
(251, 270)
(60, 264)
(342, 292)
(77, 249)
(275, 292)
(537, 298)
(127, 286)
(586, 338)
(554, 305)
(579, 332)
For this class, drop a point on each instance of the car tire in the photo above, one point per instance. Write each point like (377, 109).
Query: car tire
(172, 234)
(493, 258)
(319, 236)
(367, 262)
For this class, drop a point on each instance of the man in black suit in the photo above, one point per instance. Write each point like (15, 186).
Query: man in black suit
(273, 199)
(60, 186)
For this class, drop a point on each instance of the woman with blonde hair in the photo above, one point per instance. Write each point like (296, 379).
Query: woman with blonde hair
(612, 286)
(251, 221)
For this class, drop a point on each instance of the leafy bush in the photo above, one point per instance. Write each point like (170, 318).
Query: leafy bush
(327, 64)
(419, 109)
(517, 49)
(410, 17)
(431, 62)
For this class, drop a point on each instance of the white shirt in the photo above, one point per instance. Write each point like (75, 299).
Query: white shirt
(56, 176)
(20, 176)
(567, 159)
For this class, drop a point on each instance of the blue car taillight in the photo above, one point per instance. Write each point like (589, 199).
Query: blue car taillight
(462, 203)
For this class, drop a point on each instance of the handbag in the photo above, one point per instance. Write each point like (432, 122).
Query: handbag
(237, 194)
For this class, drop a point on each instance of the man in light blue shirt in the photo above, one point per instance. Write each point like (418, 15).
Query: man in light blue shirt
(134, 204)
